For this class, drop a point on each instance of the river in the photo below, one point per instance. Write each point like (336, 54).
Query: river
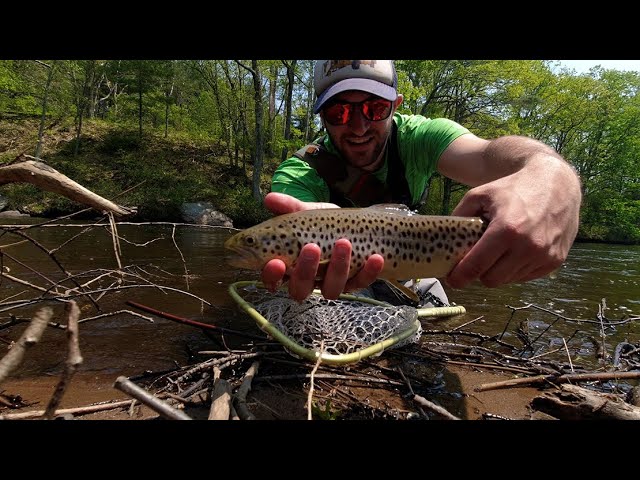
(191, 260)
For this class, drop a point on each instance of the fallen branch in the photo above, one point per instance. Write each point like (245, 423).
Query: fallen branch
(166, 411)
(73, 360)
(576, 403)
(29, 337)
(30, 170)
(77, 411)
(542, 379)
(426, 403)
(240, 398)
(220, 397)
(434, 408)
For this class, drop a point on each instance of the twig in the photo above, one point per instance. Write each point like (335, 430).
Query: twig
(10, 257)
(74, 359)
(184, 263)
(468, 323)
(194, 323)
(240, 398)
(29, 337)
(117, 312)
(166, 411)
(330, 376)
(413, 394)
(114, 239)
(313, 372)
(56, 261)
(568, 355)
(434, 408)
(77, 411)
(541, 379)
(24, 303)
(577, 320)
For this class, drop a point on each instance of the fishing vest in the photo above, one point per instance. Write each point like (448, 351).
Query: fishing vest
(350, 186)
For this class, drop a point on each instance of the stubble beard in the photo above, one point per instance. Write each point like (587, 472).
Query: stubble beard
(370, 161)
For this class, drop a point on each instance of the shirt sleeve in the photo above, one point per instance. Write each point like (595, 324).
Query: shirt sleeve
(297, 178)
(421, 141)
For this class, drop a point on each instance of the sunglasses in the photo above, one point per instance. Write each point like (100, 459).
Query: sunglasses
(374, 110)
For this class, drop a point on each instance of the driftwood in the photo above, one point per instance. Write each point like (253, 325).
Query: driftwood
(76, 412)
(29, 170)
(30, 337)
(165, 410)
(220, 397)
(576, 403)
(73, 360)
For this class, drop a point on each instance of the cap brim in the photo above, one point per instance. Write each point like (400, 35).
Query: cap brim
(363, 84)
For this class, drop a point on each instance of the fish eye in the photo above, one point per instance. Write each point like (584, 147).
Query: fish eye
(250, 240)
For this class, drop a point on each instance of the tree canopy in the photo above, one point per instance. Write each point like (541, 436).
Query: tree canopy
(254, 113)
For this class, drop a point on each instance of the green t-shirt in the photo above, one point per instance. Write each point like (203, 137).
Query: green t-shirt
(421, 141)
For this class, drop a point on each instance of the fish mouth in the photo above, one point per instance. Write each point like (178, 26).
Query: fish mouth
(240, 257)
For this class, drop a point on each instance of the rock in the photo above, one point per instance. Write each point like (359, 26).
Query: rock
(13, 214)
(3, 203)
(204, 213)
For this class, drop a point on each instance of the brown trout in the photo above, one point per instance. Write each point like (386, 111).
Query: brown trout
(413, 246)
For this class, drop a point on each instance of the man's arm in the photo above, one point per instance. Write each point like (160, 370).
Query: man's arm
(530, 195)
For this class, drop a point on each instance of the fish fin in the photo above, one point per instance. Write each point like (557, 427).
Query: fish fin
(406, 292)
(398, 208)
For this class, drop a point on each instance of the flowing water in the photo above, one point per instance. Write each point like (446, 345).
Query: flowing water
(190, 259)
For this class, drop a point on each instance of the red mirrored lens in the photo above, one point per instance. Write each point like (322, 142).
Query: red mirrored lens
(373, 110)
(376, 110)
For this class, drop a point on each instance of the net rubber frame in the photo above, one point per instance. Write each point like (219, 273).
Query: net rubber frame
(328, 358)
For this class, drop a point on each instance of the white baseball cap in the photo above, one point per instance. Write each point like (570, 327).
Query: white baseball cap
(331, 77)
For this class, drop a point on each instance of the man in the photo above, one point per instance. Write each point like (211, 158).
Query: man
(371, 154)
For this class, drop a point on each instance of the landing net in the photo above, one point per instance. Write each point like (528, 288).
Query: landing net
(336, 332)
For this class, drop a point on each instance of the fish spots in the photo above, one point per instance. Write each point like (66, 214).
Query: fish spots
(412, 245)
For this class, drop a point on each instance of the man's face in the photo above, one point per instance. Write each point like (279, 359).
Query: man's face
(360, 140)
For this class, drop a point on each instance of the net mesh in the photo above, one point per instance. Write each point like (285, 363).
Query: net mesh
(336, 327)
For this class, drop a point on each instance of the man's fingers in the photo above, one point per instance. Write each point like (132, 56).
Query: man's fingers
(272, 274)
(369, 273)
(480, 258)
(280, 203)
(303, 277)
(338, 270)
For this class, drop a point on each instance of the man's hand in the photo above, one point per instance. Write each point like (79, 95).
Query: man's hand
(533, 220)
(302, 278)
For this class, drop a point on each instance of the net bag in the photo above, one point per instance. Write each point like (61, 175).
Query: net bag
(335, 332)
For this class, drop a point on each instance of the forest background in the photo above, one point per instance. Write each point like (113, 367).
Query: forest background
(155, 134)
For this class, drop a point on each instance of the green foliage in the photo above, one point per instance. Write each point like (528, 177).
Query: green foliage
(611, 218)
(325, 412)
(243, 209)
(591, 119)
(119, 143)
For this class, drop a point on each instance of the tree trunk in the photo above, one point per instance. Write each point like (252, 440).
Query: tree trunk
(291, 68)
(273, 82)
(310, 99)
(140, 100)
(166, 109)
(44, 108)
(259, 144)
(92, 90)
(446, 196)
